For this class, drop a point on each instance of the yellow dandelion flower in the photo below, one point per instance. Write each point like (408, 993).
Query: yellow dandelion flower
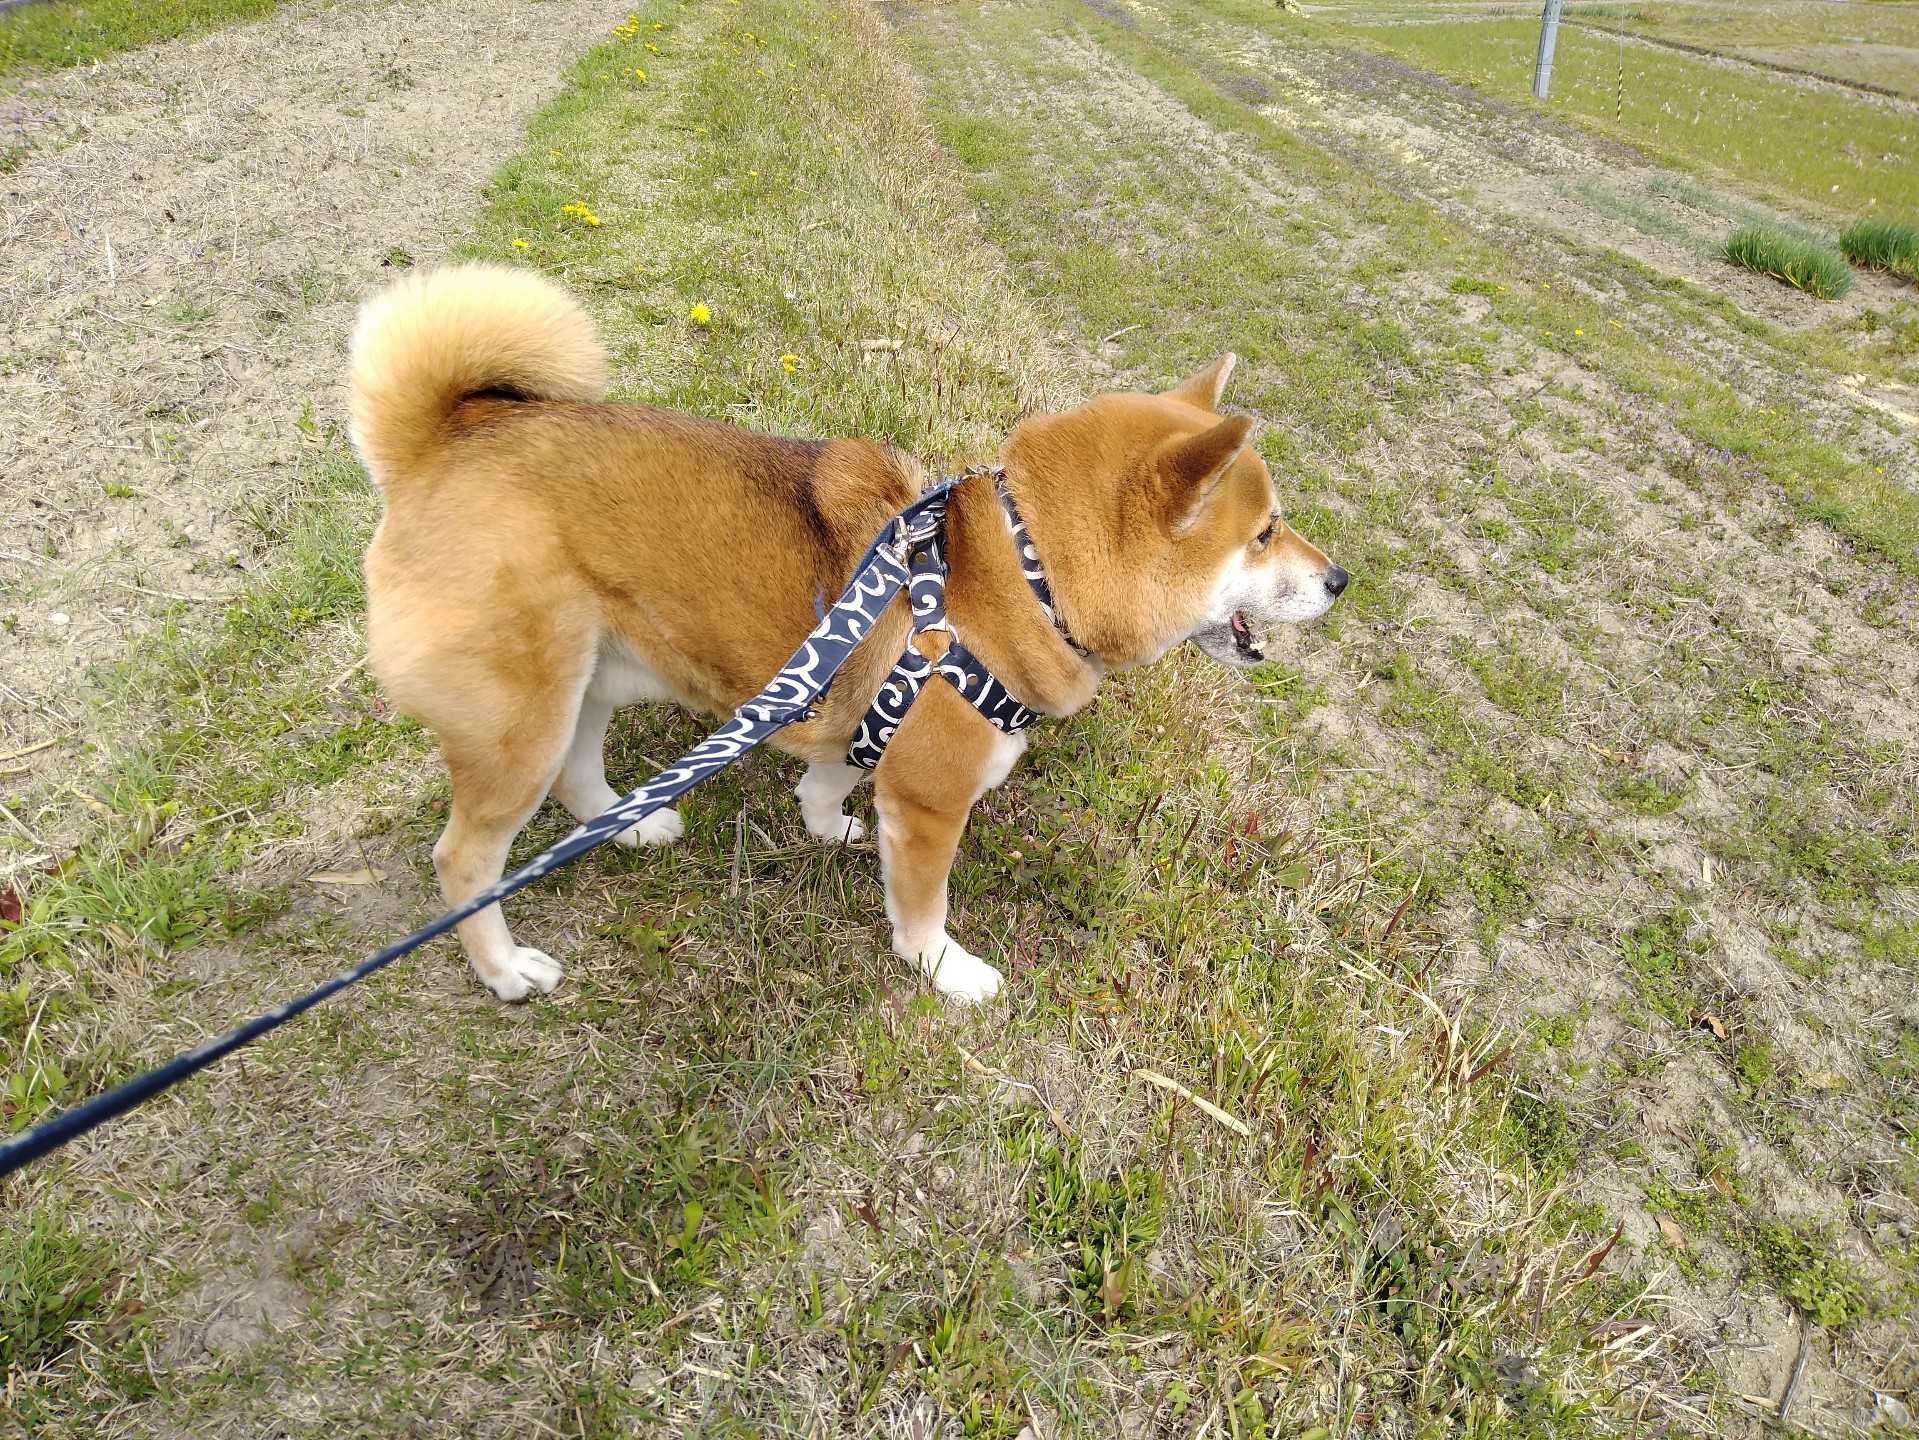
(699, 314)
(518, 243)
(754, 173)
(789, 362)
(659, 24)
(654, 48)
(1578, 331)
(699, 129)
(641, 74)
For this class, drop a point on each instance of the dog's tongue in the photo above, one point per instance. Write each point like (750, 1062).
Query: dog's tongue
(1240, 627)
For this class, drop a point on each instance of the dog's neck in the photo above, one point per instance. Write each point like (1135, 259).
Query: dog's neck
(995, 608)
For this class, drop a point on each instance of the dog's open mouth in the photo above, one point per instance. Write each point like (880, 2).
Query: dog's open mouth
(1245, 642)
(1237, 643)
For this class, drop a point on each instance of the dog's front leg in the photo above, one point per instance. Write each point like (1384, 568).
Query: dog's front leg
(942, 760)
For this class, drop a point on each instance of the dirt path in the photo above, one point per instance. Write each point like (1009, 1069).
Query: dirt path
(185, 238)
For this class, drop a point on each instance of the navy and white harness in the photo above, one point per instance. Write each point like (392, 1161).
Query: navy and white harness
(959, 667)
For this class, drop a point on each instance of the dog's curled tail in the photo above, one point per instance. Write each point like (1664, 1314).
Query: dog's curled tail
(432, 340)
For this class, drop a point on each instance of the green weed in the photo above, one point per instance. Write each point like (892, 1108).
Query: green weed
(1659, 954)
(1807, 1271)
(1814, 267)
(1102, 1226)
(1882, 245)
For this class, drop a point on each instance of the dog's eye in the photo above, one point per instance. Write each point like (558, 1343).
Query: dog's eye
(1265, 537)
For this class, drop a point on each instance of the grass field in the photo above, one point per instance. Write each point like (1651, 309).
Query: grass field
(74, 32)
(1877, 44)
(1544, 922)
(1819, 148)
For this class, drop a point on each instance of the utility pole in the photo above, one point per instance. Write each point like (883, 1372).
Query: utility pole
(1548, 38)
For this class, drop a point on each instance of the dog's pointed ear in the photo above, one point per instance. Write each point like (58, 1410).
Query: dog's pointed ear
(1190, 469)
(1205, 388)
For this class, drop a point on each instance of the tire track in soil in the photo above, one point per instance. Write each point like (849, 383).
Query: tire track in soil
(185, 239)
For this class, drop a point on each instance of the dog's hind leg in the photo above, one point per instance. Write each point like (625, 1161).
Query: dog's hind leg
(582, 786)
(504, 753)
(823, 790)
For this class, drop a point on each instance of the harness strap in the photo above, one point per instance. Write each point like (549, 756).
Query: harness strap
(959, 667)
(1029, 562)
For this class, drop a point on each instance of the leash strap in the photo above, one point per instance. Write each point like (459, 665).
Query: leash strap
(787, 698)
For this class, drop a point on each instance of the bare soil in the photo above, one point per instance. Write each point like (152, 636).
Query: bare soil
(186, 235)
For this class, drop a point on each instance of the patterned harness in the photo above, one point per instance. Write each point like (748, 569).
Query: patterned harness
(959, 667)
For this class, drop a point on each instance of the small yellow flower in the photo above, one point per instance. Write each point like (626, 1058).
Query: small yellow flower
(518, 243)
(789, 362)
(1578, 331)
(659, 24)
(654, 48)
(641, 74)
(699, 314)
(754, 173)
(699, 129)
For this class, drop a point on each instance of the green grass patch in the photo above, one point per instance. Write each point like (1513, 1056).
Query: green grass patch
(1882, 245)
(53, 1278)
(1807, 265)
(55, 35)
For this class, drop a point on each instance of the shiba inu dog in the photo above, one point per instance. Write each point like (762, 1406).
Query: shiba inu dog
(546, 557)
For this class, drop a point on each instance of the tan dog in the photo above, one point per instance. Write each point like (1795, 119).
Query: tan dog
(546, 557)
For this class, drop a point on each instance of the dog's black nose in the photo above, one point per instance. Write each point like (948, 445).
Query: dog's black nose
(1336, 579)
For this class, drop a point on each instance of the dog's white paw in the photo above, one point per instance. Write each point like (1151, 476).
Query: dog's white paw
(525, 971)
(961, 975)
(662, 827)
(836, 829)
